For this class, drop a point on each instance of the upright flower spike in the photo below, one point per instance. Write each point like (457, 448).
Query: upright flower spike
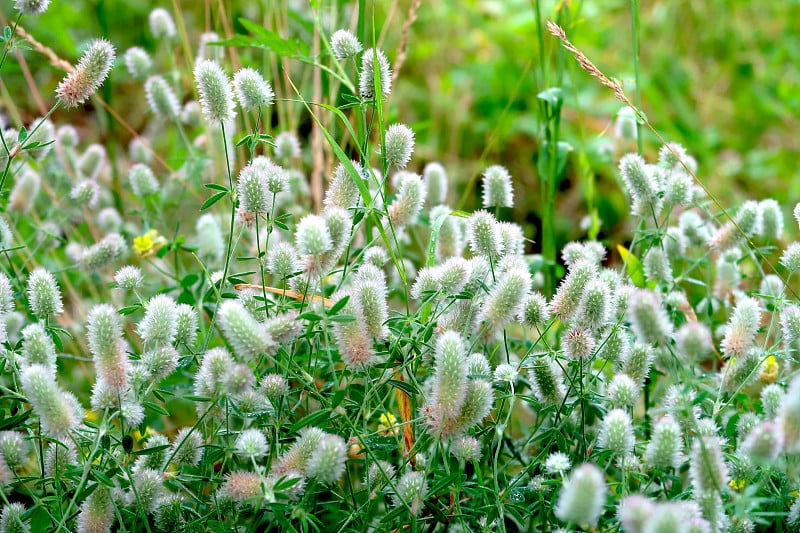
(449, 383)
(312, 236)
(407, 206)
(105, 335)
(159, 326)
(161, 24)
(282, 260)
(582, 497)
(742, 327)
(625, 124)
(497, 188)
(368, 84)
(345, 45)
(327, 461)
(411, 490)
(664, 449)
(484, 236)
(641, 185)
(216, 96)
(38, 348)
(788, 417)
(771, 219)
(707, 468)
(649, 319)
(370, 291)
(11, 519)
(399, 144)
(161, 99)
(252, 90)
(254, 199)
(506, 298)
(435, 178)
(90, 73)
(97, 511)
(355, 344)
(616, 432)
(210, 243)
(44, 296)
(568, 296)
(143, 181)
(343, 191)
(138, 62)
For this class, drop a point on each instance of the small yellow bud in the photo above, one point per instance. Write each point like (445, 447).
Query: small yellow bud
(769, 371)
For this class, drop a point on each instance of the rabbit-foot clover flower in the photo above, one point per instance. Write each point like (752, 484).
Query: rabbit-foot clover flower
(138, 62)
(410, 491)
(216, 97)
(368, 84)
(55, 409)
(410, 198)
(582, 497)
(159, 326)
(327, 461)
(497, 188)
(436, 182)
(246, 335)
(399, 145)
(161, 99)
(252, 90)
(105, 334)
(251, 444)
(44, 295)
(665, 447)
(616, 432)
(344, 44)
(90, 73)
(161, 24)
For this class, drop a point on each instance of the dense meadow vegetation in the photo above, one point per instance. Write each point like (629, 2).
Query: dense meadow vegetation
(398, 266)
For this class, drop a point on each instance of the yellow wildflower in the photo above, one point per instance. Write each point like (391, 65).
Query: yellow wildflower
(148, 244)
(769, 370)
(387, 425)
(737, 484)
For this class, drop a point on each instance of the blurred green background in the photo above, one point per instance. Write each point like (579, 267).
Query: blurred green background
(720, 77)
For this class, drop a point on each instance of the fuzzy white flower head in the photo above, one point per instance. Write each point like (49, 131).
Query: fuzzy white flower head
(216, 96)
(251, 89)
(367, 82)
(90, 73)
(31, 7)
(251, 444)
(399, 145)
(161, 24)
(557, 463)
(345, 44)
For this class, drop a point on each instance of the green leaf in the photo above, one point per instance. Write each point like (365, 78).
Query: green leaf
(335, 308)
(318, 418)
(343, 318)
(633, 267)
(269, 40)
(214, 199)
(311, 317)
(129, 309)
(216, 187)
(404, 386)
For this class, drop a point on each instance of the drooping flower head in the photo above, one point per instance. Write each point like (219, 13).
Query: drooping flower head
(89, 75)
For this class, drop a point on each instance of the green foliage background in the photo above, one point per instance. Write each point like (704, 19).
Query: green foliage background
(719, 77)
